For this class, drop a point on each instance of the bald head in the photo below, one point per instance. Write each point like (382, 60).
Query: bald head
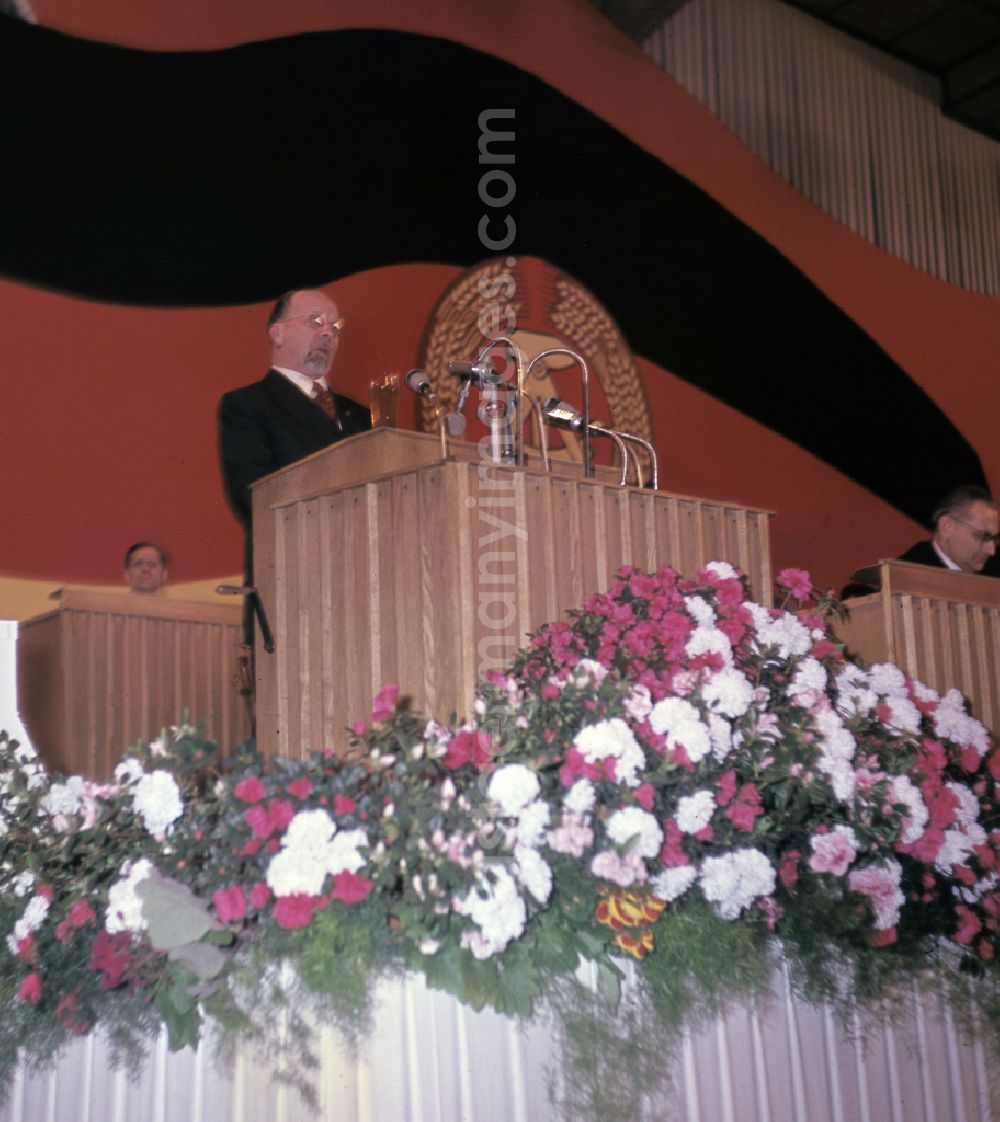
(304, 329)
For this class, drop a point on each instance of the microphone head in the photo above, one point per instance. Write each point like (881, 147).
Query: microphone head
(418, 381)
(463, 370)
(455, 423)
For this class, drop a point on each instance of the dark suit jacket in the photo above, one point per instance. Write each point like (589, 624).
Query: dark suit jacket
(922, 554)
(271, 424)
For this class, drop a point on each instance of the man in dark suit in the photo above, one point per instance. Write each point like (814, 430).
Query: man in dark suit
(291, 412)
(965, 538)
(965, 533)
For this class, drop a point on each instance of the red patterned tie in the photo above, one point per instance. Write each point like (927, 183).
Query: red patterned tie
(324, 399)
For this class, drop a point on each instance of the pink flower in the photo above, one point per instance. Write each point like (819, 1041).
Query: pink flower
(351, 888)
(788, 867)
(250, 790)
(259, 896)
(384, 703)
(969, 926)
(294, 911)
(265, 820)
(81, 912)
(31, 988)
(343, 804)
(797, 581)
(300, 788)
(230, 903)
(645, 795)
(833, 852)
(671, 853)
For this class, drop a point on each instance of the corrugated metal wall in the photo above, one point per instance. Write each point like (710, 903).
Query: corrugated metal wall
(855, 131)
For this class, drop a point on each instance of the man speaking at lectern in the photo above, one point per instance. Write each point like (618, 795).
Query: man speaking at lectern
(291, 412)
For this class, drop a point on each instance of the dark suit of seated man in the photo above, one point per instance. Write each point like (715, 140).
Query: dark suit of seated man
(964, 539)
(291, 412)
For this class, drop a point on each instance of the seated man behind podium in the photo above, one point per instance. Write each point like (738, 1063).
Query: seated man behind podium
(291, 412)
(965, 532)
(145, 567)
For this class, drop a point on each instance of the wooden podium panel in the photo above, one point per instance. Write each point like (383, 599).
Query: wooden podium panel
(939, 626)
(108, 669)
(378, 561)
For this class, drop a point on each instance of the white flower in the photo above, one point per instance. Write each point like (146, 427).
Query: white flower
(953, 722)
(810, 675)
(612, 738)
(887, 680)
(311, 850)
(701, 611)
(33, 918)
(903, 715)
(733, 881)
(128, 771)
(722, 569)
(673, 883)
(785, 633)
(22, 883)
(903, 791)
(634, 822)
(533, 823)
(709, 640)
(296, 871)
(957, 845)
(588, 671)
(638, 702)
(967, 811)
(157, 799)
(124, 906)
(513, 786)
(533, 873)
(728, 692)
(63, 798)
(309, 831)
(344, 854)
(721, 734)
(158, 747)
(694, 812)
(682, 724)
(494, 904)
(580, 797)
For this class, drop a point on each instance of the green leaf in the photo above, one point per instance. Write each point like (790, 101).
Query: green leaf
(201, 959)
(174, 914)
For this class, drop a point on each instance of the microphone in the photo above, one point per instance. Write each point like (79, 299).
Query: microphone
(418, 381)
(480, 373)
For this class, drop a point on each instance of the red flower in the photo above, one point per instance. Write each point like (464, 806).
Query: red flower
(469, 746)
(31, 988)
(265, 820)
(671, 853)
(230, 903)
(882, 938)
(26, 949)
(70, 1016)
(351, 888)
(343, 804)
(294, 911)
(384, 703)
(300, 788)
(109, 954)
(259, 896)
(250, 790)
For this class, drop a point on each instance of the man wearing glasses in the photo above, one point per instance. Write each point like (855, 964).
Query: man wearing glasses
(965, 533)
(291, 412)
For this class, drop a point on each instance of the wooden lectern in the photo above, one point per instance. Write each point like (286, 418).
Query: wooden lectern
(379, 561)
(107, 669)
(941, 627)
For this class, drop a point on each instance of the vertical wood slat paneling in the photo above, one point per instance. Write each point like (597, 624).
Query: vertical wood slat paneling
(498, 554)
(852, 129)
(109, 669)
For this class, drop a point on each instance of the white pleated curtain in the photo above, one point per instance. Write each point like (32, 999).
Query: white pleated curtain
(855, 131)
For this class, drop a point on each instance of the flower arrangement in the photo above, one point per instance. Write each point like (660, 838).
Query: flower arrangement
(674, 777)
